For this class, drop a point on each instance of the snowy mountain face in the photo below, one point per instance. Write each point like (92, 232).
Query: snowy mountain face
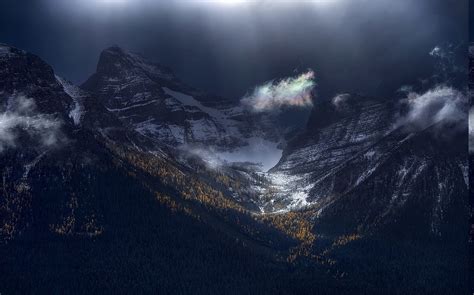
(149, 98)
(357, 170)
(48, 126)
(86, 174)
(336, 133)
(353, 168)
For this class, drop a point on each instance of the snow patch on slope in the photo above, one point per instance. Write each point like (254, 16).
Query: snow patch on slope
(294, 189)
(188, 100)
(77, 110)
(257, 150)
(132, 106)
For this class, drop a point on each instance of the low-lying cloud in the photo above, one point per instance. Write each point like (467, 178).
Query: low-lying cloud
(293, 91)
(259, 153)
(341, 100)
(21, 117)
(441, 105)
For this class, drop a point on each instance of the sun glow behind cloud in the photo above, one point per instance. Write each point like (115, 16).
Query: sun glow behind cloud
(109, 3)
(112, 1)
(211, 2)
(263, 2)
(95, 6)
(125, 7)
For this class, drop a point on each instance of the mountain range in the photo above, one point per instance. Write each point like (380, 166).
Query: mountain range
(136, 181)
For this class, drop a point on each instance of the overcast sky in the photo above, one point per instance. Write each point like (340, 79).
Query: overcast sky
(367, 46)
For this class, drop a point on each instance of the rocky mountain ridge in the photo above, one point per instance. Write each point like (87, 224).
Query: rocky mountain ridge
(149, 97)
(78, 171)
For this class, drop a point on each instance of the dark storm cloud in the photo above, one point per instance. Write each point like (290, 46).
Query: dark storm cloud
(362, 46)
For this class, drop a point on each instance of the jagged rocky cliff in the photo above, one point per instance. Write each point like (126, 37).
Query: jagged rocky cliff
(360, 170)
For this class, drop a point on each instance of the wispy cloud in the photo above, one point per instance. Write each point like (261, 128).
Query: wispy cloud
(21, 117)
(293, 91)
(438, 51)
(261, 154)
(441, 105)
(341, 100)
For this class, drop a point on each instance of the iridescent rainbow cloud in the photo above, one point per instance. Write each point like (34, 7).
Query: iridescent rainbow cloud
(292, 91)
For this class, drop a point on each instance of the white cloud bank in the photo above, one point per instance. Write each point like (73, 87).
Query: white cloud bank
(440, 105)
(293, 91)
(20, 117)
(262, 153)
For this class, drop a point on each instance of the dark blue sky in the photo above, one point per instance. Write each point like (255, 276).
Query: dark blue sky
(367, 46)
(471, 21)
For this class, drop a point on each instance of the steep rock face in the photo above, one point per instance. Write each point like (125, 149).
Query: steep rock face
(334, 135)
(410, 177)
(87, 112)
(25, 74)
(36, 131)
(53, 153)
(150, 98)
(358, 171)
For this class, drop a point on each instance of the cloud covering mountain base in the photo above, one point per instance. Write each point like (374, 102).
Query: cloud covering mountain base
(21, 117)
